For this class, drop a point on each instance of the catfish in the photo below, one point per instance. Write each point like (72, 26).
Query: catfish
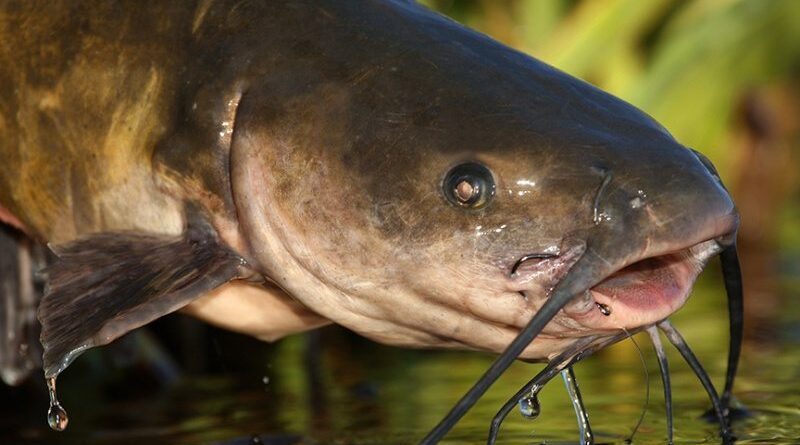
(274, 166)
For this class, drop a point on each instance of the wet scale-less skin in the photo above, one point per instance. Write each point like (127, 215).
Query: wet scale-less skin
(316, 135)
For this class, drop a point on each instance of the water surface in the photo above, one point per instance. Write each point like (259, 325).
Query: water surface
(358, 392)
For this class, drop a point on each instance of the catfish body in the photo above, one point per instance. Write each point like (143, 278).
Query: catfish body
(366, 162)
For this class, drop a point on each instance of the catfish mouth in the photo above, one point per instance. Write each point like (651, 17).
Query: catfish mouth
(641, 293)
(651, 289)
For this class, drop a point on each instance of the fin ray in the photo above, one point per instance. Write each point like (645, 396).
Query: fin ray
(109, 284)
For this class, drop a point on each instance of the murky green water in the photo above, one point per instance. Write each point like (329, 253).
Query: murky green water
(370, 394)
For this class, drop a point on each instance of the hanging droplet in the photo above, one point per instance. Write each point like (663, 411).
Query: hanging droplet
(529, 406)
(255, 440)
(57, 417)
(604, 309)
(56, 414)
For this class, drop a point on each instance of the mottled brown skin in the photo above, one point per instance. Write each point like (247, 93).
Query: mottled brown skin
(109, 122)
(85, 99)
(315, 136)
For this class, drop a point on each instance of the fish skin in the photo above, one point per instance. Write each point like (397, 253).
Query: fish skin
(94, 111)
(318, 156)
(84, 101)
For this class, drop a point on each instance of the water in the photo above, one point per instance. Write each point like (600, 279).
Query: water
(581, 416)
(56, 414)
(529, 406)
(365, 393)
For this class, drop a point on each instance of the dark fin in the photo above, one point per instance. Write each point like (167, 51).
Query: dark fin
(19, 294)
(109, 284)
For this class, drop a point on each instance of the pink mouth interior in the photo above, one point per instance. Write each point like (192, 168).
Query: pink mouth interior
(648, 290)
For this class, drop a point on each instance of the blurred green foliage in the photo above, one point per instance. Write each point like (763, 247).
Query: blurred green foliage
(690, 64)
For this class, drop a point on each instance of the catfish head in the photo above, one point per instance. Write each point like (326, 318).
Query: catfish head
(429, 187)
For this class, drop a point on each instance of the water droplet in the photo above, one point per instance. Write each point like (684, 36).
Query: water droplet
(529, 406)
(57, 417)
(255, 440)
(56, 414)
(265, 380)
(604, 309)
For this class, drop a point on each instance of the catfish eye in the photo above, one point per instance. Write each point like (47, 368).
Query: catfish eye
(469, 185)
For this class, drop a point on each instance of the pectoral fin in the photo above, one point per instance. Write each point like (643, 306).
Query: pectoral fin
(108, 284)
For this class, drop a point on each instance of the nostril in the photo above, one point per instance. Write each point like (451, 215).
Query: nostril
(597, 215)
